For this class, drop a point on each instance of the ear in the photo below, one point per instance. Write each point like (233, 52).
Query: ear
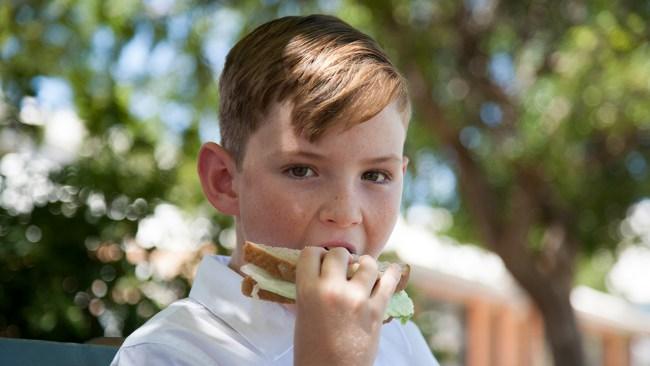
(405, 163)
(217, 170)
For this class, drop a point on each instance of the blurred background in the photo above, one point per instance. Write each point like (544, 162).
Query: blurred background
(526, 210)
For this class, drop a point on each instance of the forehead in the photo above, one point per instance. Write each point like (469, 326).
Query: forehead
(384, 134)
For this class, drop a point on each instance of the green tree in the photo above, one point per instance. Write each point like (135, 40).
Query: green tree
(68, 214)
(541, 109)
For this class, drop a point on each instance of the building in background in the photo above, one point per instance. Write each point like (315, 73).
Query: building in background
(473, 313)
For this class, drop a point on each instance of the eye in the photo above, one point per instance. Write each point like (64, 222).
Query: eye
(376, 176)
(300, 171)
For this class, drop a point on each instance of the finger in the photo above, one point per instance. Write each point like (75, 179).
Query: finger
(308, 265)
(335, 263)
(386, 286)
(353, 265)
(366, 275)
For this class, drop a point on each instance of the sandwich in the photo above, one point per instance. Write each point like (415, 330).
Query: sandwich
(271, 276)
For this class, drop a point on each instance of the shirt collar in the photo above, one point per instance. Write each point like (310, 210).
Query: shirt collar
(266, 325)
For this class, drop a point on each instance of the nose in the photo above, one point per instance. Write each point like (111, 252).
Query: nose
(342, 208)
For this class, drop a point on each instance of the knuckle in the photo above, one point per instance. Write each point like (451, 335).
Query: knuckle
(356, 297)
(307, 252)
(312, 250)
(329, 292)
(391, 276)
(367, 257)
(336, 295)
(339, 251)
(368, 262)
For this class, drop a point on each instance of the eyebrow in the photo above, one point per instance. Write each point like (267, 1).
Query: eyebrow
(299, 154)
(316, 156)
(384, 159)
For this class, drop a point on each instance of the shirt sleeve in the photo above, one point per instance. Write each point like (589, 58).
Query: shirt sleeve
(420, 349)
(156, 354)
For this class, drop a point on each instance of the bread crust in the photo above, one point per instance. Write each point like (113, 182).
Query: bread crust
(284, 269)
(275, 265)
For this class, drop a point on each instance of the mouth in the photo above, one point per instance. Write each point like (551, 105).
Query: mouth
(340, 244)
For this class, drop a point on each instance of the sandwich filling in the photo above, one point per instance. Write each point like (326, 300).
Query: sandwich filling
(399, 307)
(267, 282)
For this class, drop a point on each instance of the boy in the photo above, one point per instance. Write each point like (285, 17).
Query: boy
(313, 121)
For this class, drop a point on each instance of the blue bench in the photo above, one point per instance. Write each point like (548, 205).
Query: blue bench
(27, 352)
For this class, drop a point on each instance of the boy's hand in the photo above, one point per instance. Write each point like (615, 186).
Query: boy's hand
(338, 321)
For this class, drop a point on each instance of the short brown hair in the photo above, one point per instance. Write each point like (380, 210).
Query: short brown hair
(330, 72)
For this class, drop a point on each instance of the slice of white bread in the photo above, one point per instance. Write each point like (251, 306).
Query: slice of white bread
(280, 263)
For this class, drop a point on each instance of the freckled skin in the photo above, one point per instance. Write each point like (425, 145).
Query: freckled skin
(336, 202)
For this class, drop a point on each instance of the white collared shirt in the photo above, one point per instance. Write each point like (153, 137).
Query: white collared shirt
(218, 325)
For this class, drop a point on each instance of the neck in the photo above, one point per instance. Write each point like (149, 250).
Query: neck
(236, 261)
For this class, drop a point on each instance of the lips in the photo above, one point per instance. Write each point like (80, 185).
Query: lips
(339, 244)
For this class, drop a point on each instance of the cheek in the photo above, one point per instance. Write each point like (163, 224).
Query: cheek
(382, 217)
(271, 214)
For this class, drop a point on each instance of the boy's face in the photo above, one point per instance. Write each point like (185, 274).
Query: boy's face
(342, 190)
